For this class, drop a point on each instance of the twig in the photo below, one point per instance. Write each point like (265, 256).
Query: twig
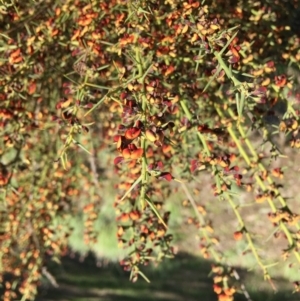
(243, 288)
(50, 277)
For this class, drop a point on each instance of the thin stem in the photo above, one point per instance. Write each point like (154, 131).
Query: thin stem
(228, 197)
(258, 179)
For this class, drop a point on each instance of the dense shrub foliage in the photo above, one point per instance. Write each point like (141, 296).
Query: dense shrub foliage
(173, 90)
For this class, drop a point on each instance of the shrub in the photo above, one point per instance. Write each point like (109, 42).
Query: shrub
(173, 90)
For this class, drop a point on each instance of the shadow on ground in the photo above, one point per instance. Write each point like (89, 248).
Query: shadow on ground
(185, 278)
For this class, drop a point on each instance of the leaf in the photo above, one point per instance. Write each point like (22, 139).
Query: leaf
(138, 180)
(213, 77)
(150, 203)
(144, 276)
(64, 160)
(81, 146)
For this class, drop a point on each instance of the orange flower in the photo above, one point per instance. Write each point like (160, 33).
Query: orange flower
(280, 80)
(217, 289)
(132, 133)
(238, 235)
(224, 297)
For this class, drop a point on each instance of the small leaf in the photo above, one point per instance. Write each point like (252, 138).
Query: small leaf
(64, 160)
(137, 181)
(150, 203)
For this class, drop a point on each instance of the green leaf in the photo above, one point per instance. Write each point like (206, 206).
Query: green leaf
(150, 203)
(137, 181)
